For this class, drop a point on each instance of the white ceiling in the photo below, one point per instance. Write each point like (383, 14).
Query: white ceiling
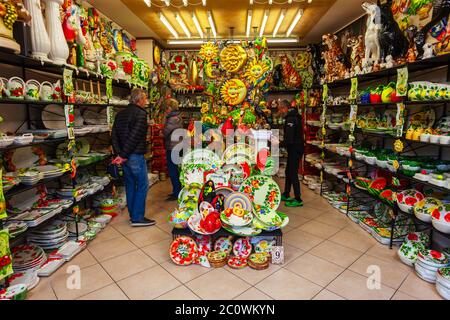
(340, 14)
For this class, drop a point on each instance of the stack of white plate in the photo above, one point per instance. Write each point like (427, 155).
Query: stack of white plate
(27, 257)
(72, 228)
(443, 282)
(69, 250)
(50, 171)
(15, 228)
(103, 219)
(30, 178)
(50, 266)
(36, 217)
(104, 181)
(29, 278)
(52, 236)
(428, 263)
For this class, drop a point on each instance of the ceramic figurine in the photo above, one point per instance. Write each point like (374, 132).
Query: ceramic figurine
(291, 78)
(10, 12)
(427, 51)
(73, 33)
(357, 54)
(59, 52)
(372, 36)
(393, 42)
(335, 64)
(40, 42)
(412, 54)
(389, 62)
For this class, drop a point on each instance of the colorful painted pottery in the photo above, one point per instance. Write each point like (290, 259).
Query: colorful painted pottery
(268, 217)
(15, 88)
(236, 216)
(217, 259)
(424, 208)
(40, 42)
(183, 251)
(259, 261)
(264, 246)
(441, 218)
(242, 248)
(237, 262)
(233, 92)
(179, 218)
(407, 199)
(223, 244)
(46, 91)
(263, 191)
(249, 231)
(233, 58)
(238, 199)
(409, 251)
(15, 292)
(32, 88)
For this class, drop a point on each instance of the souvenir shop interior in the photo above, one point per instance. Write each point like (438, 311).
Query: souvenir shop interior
(370, 81)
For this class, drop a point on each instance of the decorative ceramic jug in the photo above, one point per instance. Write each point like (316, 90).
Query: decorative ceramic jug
(59, 51)
(32, 88)
(40, 42)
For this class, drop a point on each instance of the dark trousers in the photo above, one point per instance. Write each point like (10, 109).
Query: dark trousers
(174, 174)
(291, 180)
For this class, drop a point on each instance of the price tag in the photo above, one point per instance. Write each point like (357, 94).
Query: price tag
(277, 255)
(68, 82)
(110, 117)
(402, 82)
(70, 121)
(400, 119)
(109, 90)
(354, 89)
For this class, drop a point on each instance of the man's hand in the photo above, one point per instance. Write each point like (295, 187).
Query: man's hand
(119, 160)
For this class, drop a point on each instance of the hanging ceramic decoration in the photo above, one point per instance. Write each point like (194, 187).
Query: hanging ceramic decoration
(233, 92)
(208, 51)
(237, 262)
(242, 248)
(233, 58)
(59, 50)
(256, 72)
(243, 231)
(40, 42)
(223, 244)
(157, 55)
(5, 255)
(183, 251)
(240, 199)
(262, 191)
(236, 216)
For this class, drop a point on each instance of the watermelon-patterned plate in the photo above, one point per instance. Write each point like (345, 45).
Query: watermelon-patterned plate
(183, 251)
(242, 248)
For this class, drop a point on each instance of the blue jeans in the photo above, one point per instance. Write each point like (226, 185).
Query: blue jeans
(136, 185)
(173, 174)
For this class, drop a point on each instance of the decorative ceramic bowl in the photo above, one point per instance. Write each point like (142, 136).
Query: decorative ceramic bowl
(409, 251)
(424, 208)
(408, 198)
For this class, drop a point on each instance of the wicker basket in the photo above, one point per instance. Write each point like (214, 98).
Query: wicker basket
(217, 259)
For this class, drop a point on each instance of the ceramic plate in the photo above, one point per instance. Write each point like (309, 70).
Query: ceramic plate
(262, 191)
(237, 262)
(268, 217)
(242, 248)
(231, 219)
(223, 244)
(183, 251)
(194, 225)
(26, 157)
(189, 194)
(193, 174)
(243, 231)
(225, 191)
(202, 156)
(238, 153)
(240, 199)
(264, 246)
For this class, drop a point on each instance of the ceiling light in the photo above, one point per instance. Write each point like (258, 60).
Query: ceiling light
(211, 23)
(289, 1)
(204, 3)
(309, 1)
(294, 22)
(251, 2)
(168, 25)
(197, 25)
(280, 20)
(282, 40)
(148, 3)
(182, 25)
(185, 2)
(167, 2)
(249, 22)
(264, 22)
(270, 1)
(184, 42)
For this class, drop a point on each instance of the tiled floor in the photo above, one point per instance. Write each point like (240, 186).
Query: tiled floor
(326, 257)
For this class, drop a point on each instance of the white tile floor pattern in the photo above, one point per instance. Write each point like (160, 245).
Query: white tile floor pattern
(326, 258)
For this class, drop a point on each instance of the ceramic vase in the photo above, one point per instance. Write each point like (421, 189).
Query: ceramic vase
(59, 51)
(40, 42)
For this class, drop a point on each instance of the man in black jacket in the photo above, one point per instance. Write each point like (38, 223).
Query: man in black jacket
(293, 141)
(129, 140)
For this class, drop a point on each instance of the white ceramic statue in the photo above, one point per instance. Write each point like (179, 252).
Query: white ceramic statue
(59, 51)
(428, 51)
(40, 42)
(372, 36)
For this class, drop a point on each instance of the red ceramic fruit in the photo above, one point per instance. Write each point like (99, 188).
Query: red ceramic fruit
(375, 98)
(211, 222)
(395, 98)
(378, 184)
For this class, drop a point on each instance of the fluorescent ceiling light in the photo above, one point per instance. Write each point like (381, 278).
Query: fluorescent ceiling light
(204, 3)
(181, 42)
(251, 1)
(197, 25)
(249, 22)
(282, 40)
(148, 3)
(270, 1)
(167, 2)
(289, 1)
(294, 22)
(264, 22)
(211, 24)
(185, 2)
(182, 25)
(168, 25)
(280, 20)
(309, 1)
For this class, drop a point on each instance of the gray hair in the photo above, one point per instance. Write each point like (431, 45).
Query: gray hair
(136, 95)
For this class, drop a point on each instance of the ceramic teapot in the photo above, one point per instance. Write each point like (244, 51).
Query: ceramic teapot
(15, 88)
(32, 90)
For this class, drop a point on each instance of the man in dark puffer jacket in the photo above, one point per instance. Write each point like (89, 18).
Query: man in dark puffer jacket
(130, 144)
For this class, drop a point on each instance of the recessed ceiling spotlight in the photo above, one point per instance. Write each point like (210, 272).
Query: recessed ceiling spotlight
(182, 25)
(264, 22)
(167, 2)
(294, 22)
(280, 20)
(211, 23)
(251, 2)
(249, 22)
(168, 25)
(197, 25)
(309, 1)
(148, 3)
(270, 1)
(289, 1)
(204, 3)
(185, 2)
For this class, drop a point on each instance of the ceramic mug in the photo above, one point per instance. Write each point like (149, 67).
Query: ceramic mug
(15, 88)
(32, 88)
